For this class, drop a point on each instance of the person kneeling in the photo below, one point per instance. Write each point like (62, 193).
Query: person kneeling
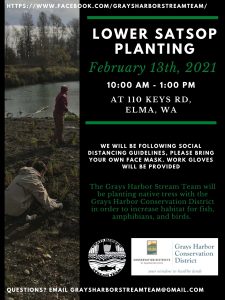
(26, 189)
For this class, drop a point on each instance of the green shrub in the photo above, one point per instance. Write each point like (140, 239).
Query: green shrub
(17, 76)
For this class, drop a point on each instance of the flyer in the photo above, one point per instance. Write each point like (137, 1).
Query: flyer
(114, 151)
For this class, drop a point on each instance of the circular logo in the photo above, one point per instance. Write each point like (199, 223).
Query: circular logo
(106, 257)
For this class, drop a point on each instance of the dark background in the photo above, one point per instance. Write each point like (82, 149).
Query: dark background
(2, 145)
(207, 102)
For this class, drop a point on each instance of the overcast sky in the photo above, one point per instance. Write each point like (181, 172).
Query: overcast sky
(13, 15)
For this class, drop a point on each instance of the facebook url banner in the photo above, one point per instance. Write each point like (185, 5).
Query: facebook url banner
(69, 5)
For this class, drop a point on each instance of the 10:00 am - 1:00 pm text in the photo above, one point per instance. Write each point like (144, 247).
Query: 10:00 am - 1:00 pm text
(148, 84)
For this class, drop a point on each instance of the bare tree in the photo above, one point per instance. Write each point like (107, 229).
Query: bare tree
(43, 41)
(56, 25)
(10, 55)
(25, 43)
(73, 40)
(16, 34)
(43, 28)
(7, 35)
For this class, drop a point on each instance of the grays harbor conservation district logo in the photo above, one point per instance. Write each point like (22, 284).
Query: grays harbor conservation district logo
(106, 257)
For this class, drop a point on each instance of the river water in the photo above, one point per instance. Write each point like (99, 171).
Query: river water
(25, 100)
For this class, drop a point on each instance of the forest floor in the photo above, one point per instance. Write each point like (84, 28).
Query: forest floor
(45, 253)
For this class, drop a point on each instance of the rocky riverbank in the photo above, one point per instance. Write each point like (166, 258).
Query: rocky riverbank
(47, 253)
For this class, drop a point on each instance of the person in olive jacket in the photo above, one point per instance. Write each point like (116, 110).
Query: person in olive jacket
(27, 189)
